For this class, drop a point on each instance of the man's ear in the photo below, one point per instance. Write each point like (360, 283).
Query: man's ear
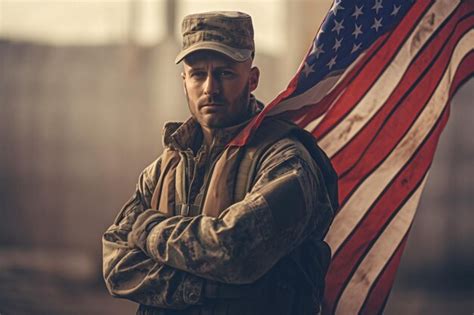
(253, 78)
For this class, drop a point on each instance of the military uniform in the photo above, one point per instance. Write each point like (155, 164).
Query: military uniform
(226, 230)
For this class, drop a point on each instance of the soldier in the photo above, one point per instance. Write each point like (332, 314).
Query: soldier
(215, 228)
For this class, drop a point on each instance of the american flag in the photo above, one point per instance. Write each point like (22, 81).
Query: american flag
(374, 89)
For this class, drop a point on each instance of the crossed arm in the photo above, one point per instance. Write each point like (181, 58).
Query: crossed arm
(164, 261)
(128, 271)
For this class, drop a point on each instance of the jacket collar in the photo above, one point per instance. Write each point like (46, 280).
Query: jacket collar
(188, 135)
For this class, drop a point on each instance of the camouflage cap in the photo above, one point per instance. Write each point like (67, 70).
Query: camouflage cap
(227, 32)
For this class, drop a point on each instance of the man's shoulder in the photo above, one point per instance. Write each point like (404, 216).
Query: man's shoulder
(281, 136)
(151, 173)
(277, 142)
(290, 145)
(288, 149)
(291, 141)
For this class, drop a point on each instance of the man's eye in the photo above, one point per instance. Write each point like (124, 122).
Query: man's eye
(226, 73)
(198, 75)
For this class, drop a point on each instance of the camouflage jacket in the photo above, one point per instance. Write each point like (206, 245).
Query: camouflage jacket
(227, 261)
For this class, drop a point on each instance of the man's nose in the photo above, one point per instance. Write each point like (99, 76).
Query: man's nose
(211, 86)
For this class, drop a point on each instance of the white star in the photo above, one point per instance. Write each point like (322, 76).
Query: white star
(357, 12)
(337, 44)
(337, 26)
(308, 69)
(395, 10)
(377, 24)
(355, 47)
(357, 30)
(377, 6)
(332, 62)
(336, 6)
(317, 50)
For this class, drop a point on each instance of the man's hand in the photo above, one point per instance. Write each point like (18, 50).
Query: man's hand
(142, 226)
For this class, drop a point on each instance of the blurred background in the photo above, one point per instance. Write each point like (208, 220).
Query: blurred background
(85, 87)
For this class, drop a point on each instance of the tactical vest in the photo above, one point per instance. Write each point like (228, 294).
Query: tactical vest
(231, 177)
(232, 174)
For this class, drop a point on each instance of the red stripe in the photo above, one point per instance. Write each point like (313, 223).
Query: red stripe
(375, 302)
(308, 113)
(313, 111)
(380, 290)
(371, 73)
(412, 16)
(346, 260)
(352, 152)
(378, 138)
(353, 250)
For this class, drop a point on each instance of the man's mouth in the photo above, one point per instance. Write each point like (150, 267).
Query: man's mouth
(212, 105)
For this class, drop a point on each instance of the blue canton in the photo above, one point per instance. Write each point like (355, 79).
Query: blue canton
(349, 28)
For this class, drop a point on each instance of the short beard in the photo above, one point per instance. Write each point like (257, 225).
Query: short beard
(243, 101)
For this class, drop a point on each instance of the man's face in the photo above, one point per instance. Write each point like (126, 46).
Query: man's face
(218, 88)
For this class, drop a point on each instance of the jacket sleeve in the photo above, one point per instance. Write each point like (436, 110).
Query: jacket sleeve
(129, 273)
(287, 203)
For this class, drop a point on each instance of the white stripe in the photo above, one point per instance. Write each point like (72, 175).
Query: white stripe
(355, 208)
(311, 96)
(375, 98)
(310, 127)
(357, 289)
(313, 124)
(315, 93)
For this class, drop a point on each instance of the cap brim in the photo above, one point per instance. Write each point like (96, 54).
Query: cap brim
(238, 55)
